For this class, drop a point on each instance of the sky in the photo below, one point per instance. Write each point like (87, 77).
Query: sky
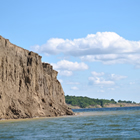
(93, 44)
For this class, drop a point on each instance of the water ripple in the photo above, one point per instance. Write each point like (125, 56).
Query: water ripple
(93, 124)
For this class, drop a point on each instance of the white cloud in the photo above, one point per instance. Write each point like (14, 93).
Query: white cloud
(114, 58)
(50, 47)
(111, 88)
(74, 88)
(106, 47)
(104, 79)
(68, 65)
(65, 72)
(100, 81)
(60, 80)
(132, 83)
(97, 74)
(100, 91)
(117, 77)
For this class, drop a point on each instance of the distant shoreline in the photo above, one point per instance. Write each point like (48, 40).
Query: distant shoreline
(107, 105)
(77, 102)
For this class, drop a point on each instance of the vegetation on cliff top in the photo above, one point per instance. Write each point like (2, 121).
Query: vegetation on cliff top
(84, 102)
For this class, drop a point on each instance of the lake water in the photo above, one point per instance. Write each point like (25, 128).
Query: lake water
(102, 123)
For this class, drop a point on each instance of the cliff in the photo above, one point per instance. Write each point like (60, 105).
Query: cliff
(28, 87)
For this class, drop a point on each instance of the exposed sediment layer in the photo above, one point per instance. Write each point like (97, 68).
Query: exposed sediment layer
(28, 87)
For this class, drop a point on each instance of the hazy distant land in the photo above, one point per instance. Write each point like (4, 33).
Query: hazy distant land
(75, 102)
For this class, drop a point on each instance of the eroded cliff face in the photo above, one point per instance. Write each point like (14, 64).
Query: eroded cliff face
(28, 87)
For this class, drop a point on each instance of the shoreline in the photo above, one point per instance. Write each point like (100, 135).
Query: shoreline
(40, 118)
(65, 116)
(35, 118)
(106, 106)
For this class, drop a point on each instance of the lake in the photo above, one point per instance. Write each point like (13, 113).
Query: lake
(98, 123)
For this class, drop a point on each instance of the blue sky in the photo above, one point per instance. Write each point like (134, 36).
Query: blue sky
(93, 44)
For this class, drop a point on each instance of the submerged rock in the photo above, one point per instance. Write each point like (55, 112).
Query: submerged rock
(28, 87)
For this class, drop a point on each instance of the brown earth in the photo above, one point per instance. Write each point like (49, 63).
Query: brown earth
(28, 87)
(121, 105)
(107, 105)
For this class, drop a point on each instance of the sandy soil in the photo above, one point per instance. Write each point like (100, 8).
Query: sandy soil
(107, 105)
(36, 118)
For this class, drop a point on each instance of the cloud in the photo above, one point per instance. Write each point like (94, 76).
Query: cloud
(102, 78)
(68, 65)
(114, 58)
(100, 81)
(74, 88)
(65, 72)
(106, 47)
(101, 91)
(117, 77)
(97, 74)
(111, 89)
(132, 83)
(50, 47)
(60, 80)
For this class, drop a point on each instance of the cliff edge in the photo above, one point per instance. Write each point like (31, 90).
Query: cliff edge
(28, 87)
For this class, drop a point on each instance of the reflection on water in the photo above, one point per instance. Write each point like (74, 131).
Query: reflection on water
(87, 125)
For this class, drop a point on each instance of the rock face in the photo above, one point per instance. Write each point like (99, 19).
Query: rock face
(28, 87)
